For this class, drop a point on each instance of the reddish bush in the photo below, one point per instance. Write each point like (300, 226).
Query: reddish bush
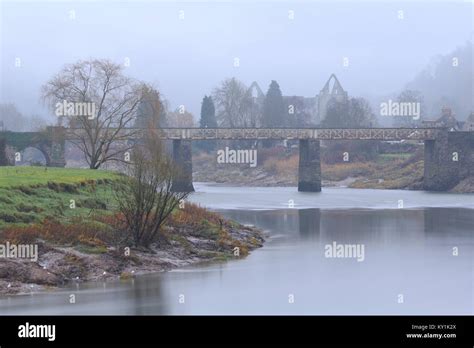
(192, 214)
(99, 232)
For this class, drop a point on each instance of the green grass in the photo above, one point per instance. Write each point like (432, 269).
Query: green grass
(31, 194)
(20, 176)
(393, 156)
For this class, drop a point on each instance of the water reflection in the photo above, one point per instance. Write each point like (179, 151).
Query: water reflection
(407, 251)
(309, 223)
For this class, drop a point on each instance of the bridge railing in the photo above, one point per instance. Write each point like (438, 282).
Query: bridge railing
(288, 133)
(298, 133)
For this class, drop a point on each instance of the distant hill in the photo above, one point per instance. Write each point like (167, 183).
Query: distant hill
(448, 81)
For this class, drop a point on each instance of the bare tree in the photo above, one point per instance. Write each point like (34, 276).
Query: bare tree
(144, 196)
(180, 118)
(234, 104)
(112, 96)
(410, 96)
(11, 118)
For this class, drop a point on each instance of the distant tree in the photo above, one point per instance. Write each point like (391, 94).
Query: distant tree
(208, 120)
(180, 118)
(409, 96)
(233, 102)
(37, 123)
(115, 97)
(208, 113)
(13, 120)
(337, 115)
(274, 112)
(298, 115)
(353, 113)
(150, 110)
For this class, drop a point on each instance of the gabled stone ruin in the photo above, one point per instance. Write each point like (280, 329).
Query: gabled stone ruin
(315, 108)
(332, 90)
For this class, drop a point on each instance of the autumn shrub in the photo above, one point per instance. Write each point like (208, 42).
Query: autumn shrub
(193, 215)
(282, 166)
(20, 235)
(94, 233)
(265, 154)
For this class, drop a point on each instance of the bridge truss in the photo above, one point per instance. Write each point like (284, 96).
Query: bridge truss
(299, 133)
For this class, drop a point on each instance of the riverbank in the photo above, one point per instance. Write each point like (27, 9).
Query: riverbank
(388, 171)
(58, 265)
(79, 242)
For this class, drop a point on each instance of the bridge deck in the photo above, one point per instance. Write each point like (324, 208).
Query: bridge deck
(298, 133)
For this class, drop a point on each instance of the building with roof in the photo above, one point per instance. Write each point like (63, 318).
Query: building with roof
(446, 120)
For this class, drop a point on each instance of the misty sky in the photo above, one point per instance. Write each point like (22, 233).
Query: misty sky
(187, 58)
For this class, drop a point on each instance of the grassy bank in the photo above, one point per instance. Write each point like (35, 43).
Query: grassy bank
(32, 194)
(86, 241)
(32, 176)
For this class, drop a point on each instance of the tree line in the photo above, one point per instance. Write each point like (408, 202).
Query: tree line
(232, 105)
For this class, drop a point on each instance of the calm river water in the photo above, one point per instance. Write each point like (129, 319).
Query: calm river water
(418, 259)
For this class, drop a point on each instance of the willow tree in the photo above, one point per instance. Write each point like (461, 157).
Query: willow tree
(100, 84)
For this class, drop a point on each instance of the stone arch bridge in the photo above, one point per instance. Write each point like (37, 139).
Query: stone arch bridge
(49, 142)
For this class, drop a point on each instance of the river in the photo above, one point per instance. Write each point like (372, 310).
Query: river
(415, 257)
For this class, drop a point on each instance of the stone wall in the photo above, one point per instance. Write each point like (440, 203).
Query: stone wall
(448, 160)
(3, 153)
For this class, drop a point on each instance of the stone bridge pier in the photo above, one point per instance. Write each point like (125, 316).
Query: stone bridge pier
(54, 147)
(448, 160)
(309, 168)
(182, 156)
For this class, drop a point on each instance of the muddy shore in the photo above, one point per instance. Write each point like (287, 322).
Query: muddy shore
(59, 266)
